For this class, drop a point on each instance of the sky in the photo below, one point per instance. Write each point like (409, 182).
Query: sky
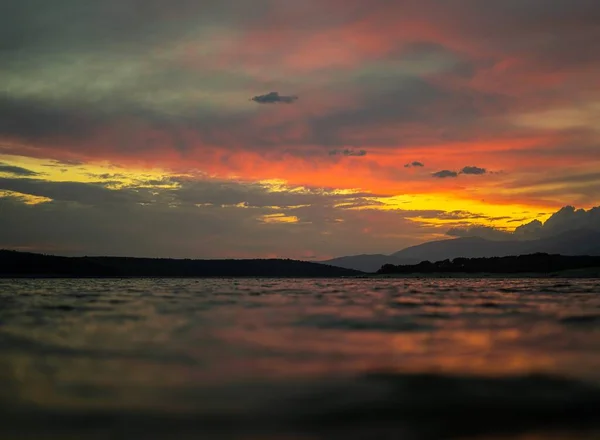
(283, 128)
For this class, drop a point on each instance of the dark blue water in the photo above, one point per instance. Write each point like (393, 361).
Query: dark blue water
(300, 359)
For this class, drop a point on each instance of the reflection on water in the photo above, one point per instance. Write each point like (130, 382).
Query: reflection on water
(352, 358)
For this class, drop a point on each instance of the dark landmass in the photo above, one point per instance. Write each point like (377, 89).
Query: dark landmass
(538, 263)
(22, 264)
(575, 242)
(368, 262)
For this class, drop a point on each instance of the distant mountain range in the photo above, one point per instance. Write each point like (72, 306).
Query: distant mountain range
(578, 242)
(573, 243)
(23, 264)
(520, 264)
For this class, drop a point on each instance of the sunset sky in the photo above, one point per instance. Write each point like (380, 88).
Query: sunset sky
(291, 128)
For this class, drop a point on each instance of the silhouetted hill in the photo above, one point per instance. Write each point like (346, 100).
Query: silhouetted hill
(579, 242)
(532, 263)
(13, 263)
(462, 247)
(367, 262)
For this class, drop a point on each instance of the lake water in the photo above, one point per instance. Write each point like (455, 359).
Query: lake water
(252, 359)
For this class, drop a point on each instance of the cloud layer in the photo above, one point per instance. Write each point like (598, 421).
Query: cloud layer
(566, 219)
(347, 152)
(173, 89)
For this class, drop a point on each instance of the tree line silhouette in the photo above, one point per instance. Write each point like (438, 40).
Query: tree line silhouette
(531, 263)
(19, 264)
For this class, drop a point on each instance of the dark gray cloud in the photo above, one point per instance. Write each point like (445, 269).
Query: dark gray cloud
(533, 229)
(459, 216)
(405, 101)
(83, 193)
(254, 195)
(579, 178)
(450, 62)
(63, 163)
(125, 122)
(115, 229)
(414, 164)
(34, 29)
(274, 98)
(398, 98)
(187, 231)
(34, 120)
(194, 220)
(38, 22)
(570, 218)
(121, 25)
(126, 127)
(444, 174)
(473, 170)
(466, 170)
(347, 152)
(570, 28)
(17, 171)
(180, 191)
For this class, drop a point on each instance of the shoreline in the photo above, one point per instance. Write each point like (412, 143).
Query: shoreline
(169, 277)
(590, 273)
(593, 272)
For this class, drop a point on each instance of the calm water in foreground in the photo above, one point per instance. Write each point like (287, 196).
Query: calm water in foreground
(300, 359)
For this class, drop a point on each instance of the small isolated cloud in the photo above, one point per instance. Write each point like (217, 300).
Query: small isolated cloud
(274, 98)
(16, 171)
(348, 152)
(473, 170)
(476, 171)
(414, 164)
(445, 173)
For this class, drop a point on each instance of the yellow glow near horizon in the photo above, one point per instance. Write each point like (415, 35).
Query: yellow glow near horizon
(280, 185)
(28, 199)
(280, 217)
(476, 211)
(104, 172)
(497, 215)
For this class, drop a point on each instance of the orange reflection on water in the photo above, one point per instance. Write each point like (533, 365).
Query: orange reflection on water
(481, 352)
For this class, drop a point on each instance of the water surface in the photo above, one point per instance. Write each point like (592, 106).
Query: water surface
(300, 359)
